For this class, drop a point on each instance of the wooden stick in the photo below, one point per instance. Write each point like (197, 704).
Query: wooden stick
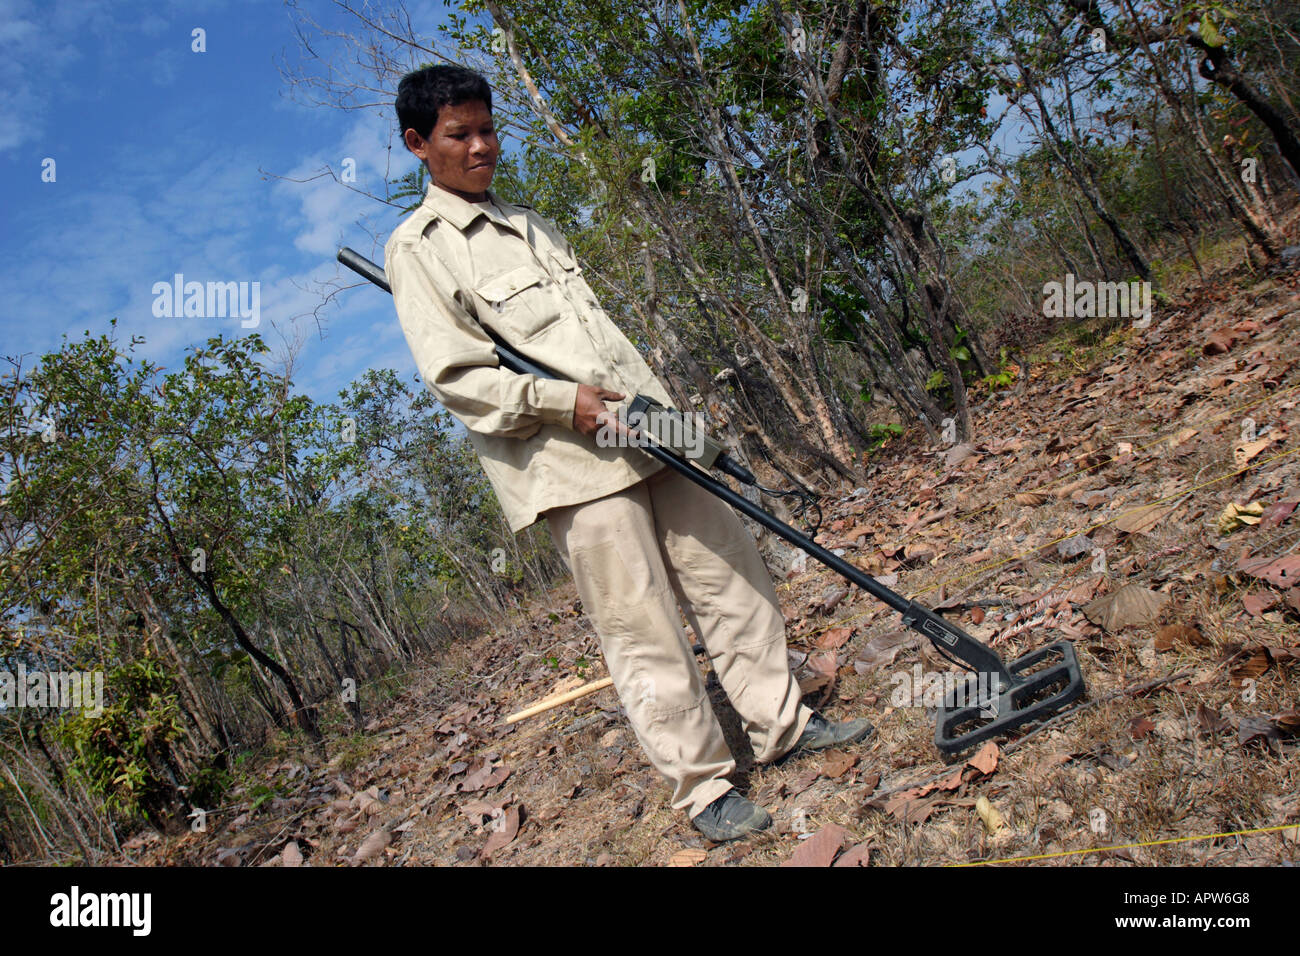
(564, 698)
(583, 691)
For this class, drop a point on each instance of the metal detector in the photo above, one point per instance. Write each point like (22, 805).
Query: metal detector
(1028, 690)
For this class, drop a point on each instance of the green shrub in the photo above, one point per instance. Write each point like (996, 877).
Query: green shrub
(124, 754)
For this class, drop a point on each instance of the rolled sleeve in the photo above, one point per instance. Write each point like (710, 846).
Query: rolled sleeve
(457, 359)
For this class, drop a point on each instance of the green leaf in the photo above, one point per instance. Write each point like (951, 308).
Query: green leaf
(1210, 34)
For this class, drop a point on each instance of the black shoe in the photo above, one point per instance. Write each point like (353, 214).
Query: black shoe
(730, 817)
(819, 733)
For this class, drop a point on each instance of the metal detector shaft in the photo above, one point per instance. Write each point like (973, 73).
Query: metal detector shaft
(914, 615)
(919, 618)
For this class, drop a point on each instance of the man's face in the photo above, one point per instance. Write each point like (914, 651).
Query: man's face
(461, 151)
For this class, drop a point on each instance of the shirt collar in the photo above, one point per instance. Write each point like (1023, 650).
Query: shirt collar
(460, 212)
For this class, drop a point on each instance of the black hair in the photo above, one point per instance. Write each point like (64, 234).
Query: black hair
(423, 92)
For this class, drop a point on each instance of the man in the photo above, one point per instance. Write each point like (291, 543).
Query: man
(639, 537)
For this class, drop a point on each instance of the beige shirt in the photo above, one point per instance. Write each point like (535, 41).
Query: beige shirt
(455, 266)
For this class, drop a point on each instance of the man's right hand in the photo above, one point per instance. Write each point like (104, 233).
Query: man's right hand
(589, 411)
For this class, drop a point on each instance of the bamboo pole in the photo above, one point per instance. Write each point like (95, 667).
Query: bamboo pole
(564, 698)
(547, 703)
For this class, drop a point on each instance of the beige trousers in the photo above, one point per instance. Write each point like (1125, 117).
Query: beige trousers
(637, 554)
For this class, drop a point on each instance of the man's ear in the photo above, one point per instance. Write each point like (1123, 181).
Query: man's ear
(411, 139)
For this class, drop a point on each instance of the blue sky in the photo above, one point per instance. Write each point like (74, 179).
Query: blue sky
(166, 161)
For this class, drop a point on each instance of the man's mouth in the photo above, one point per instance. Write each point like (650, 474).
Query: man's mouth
(482, 165)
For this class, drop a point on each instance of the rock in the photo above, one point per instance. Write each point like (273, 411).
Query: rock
(1073, 547)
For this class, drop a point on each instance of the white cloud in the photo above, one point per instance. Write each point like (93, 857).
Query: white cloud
(329, 209)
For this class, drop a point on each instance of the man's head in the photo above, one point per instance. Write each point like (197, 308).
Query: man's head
(445, 114)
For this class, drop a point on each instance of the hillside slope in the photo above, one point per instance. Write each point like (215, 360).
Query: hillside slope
(1183, 611)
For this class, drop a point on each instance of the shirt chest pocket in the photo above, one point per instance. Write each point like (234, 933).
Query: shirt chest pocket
(520, 302)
